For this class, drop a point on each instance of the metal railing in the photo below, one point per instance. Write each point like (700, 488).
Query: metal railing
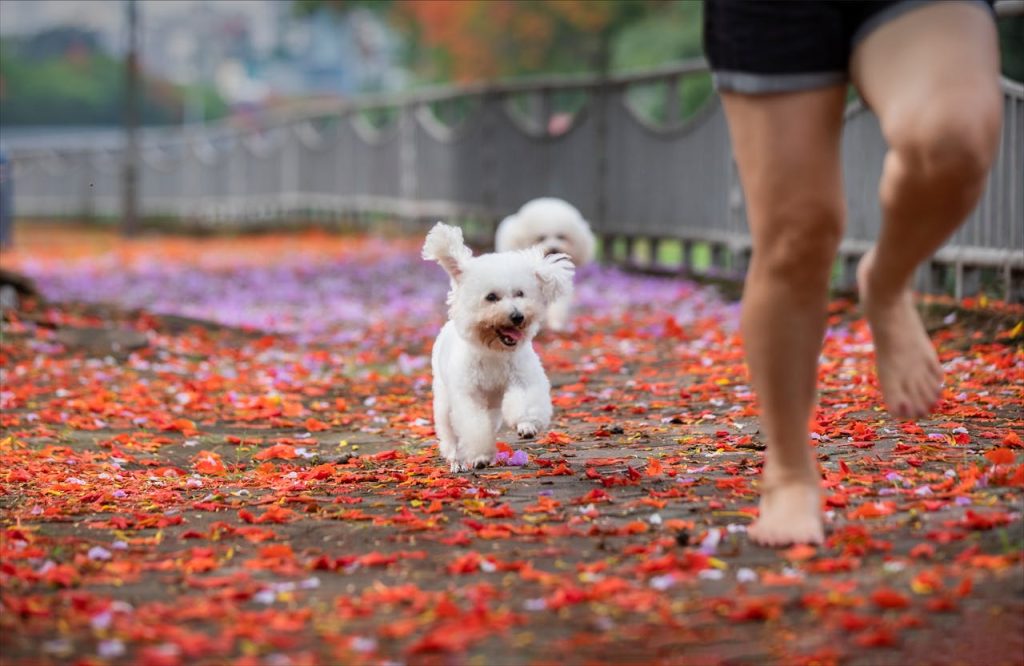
(475, 153)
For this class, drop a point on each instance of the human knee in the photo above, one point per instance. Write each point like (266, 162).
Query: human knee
(952, 141)
(803, 240)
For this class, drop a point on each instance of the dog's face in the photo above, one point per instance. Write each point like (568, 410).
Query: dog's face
(550, 224)
(497, 300)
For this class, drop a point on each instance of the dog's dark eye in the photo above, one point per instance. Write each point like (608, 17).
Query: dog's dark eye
(560, 236)
(541, 239)
(491, 297)
(518, 293)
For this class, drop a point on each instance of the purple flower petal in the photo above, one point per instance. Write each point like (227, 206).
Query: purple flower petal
(519, 458)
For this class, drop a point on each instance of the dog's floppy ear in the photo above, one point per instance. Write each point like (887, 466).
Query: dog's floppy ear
(588, 242)
(445, 246)
(554, 273)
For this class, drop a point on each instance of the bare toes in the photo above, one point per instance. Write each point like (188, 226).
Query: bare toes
(774, 539)
(925, 399)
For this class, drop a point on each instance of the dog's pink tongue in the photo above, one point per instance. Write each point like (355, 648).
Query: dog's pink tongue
(513, 333)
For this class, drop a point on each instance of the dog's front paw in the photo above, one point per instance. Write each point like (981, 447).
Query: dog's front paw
(527, 429)
(455, 464)
(447, 450)
(469, 464)
(479, 462)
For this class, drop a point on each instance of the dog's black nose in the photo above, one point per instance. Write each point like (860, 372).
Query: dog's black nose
(517, 317)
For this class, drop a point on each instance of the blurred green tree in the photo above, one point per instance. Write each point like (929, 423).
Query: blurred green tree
(469, 40)
(82, 87)
(1011, 45)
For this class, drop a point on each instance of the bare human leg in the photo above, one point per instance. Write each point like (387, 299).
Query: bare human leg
(931, 76)
(787, 150)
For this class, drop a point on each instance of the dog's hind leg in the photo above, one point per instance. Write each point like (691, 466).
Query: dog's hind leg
(443, 425)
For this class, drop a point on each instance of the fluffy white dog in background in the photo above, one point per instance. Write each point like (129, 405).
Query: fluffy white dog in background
(555, 226)
(483, 361)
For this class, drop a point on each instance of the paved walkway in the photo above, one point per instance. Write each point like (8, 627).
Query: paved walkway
(265, 490)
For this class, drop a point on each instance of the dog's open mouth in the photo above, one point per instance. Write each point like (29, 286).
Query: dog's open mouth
(509, 335)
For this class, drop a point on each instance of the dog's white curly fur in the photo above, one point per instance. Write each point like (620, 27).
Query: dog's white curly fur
(555, 226)
(485, 368)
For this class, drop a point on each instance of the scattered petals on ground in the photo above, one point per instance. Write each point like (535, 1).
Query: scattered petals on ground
(265, 489)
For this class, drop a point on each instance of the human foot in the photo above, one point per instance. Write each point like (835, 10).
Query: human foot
(789, 513)
(908, 368)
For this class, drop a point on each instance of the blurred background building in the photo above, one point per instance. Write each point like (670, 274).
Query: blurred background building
(61, 62)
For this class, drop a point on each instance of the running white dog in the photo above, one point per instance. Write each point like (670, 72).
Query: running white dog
(483, 361)
(556, 227)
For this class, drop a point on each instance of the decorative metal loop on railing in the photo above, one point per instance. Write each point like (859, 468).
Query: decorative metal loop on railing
(676, 127)
(54, 163)
(260, 143)
(155, 156)
(101, 160)
(371, 133)
(447, 131)
(540, 115)
(308, 134)
(657, 107)
(203, 149)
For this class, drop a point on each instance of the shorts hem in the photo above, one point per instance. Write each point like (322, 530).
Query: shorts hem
(763, 84)
(895, 11)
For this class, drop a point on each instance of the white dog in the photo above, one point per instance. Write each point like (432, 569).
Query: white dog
(556, 227)
(483, 361)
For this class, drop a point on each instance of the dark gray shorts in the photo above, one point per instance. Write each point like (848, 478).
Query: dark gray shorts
(771, 46)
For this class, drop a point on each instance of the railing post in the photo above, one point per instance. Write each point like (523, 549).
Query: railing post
(654, 246)
(971, 280)
(130, 168)
(735, 203)
(686, 261)
(1008, 294)
(543, 111)
(288, 194)
(719, 256)
(6, 202)
(85, 164)
(601, 100)
(672, 110)
(847, 279)
(958, 280)
(407, 183)
(236, 179)
(741, 261)
(190, 179)
(630, 243)
(929, 277)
